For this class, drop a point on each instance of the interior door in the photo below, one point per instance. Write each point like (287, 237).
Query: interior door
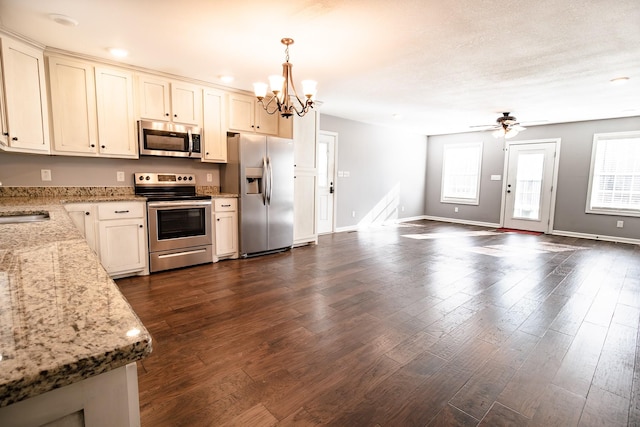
(529, 185)
(326, 181)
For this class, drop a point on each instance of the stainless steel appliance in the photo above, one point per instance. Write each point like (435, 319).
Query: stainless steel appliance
(260, 170)
(169, 139)
(179, 220)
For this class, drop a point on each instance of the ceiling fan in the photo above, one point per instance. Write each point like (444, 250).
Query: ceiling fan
(506, 125)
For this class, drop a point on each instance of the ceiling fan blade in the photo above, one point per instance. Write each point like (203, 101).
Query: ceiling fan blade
(484, 126)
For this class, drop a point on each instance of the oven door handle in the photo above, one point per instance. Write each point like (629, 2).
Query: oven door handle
(190, 142)
(178, 204)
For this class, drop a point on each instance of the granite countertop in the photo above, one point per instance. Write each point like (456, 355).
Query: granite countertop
(62, 318)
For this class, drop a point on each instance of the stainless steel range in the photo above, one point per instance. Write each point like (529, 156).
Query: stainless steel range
(179, 220)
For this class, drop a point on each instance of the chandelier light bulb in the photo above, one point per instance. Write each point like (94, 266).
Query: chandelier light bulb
(260, 90)
(309, 88)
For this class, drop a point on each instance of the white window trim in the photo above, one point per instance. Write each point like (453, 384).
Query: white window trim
(460, 201)
(607, 211)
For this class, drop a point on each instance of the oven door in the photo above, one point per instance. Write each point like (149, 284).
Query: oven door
(179, 224)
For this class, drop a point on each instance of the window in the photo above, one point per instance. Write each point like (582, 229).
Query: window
(461, 173)
(614, 180)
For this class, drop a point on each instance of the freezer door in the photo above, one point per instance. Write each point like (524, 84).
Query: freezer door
(253, 209)
(280, 195)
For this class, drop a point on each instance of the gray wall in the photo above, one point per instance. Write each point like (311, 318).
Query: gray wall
(387, 172)
(23, 170)
(573, 176)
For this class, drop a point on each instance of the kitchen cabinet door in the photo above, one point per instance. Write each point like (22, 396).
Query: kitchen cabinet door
(304, 208)
(73, 106)
(241, 112)
(214, 134)
(123, 245)
(186, 103)
(116, 117)
(226, 225)
(154, 97)
(84, 218)
(26, 117)
(266, 123)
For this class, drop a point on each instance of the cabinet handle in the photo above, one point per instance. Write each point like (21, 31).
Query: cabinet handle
(166, 114)
(87, 213)
(141, 226)
(102, 146)
(121, 212)
(93, 145)
(226, 206)
(15, 138)
(218, 219)
(5, 133)
(175, 115)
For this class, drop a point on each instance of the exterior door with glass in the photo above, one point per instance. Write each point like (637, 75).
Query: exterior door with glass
(529, 191)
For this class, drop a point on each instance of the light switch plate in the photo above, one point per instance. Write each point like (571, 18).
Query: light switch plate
(120, 176)
(209, 177)
(45, 174)
(496, 177)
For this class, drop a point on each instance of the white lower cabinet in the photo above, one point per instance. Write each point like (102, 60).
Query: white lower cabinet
(225, 219)
(117, 232)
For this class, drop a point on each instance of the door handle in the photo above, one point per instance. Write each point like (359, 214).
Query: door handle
(331, 188)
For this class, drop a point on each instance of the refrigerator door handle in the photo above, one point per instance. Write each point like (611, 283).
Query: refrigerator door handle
(263, 190)
(270, 168)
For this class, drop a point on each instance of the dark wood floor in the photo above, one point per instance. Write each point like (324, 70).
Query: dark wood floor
(373, 328)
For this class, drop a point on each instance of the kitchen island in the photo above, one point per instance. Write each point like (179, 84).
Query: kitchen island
(69, 340)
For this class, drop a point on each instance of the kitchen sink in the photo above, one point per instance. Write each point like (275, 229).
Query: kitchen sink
(20, 217)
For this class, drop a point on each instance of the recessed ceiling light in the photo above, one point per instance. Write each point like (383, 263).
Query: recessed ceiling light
(118, 52)
(226, 79)
(63, 20)
(619, 80)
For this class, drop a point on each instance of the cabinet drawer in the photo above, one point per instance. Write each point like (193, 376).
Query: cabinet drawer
(120, 210)
(225, 205)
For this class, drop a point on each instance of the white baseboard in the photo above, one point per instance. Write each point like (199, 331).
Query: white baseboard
(595, 237)
(462, 221)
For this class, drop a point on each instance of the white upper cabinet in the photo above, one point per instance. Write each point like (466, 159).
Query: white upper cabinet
(92, 109)
(167, 100)
(24, 115)
(73, 106)
(214, 131)
(247, 115)
(116, 116)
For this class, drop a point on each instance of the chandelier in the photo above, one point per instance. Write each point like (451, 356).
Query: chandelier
(284, 98)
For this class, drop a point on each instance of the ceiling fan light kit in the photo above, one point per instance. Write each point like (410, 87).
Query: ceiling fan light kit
(284, 98)
(508, 126)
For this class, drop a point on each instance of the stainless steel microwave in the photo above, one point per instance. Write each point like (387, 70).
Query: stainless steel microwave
(169, 139)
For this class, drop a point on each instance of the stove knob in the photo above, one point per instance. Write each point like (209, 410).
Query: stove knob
(184, 178)
(147, 178)
(190, 178)
(141, 178)
(179, 178)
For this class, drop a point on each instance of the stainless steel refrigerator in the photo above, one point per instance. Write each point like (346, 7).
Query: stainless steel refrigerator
(260, 170)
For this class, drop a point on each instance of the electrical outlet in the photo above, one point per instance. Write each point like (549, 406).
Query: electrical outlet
(209, 177)
(620, 224)
(120, 176)
(45, 174)
(455, 209)
(353, 214)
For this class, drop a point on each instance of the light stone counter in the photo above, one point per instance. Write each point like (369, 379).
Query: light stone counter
(62, 319)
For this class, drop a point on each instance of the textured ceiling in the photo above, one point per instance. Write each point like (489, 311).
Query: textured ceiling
(443, 65)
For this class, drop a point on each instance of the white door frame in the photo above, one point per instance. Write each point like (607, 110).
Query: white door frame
(554, 185)
(334, 135)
